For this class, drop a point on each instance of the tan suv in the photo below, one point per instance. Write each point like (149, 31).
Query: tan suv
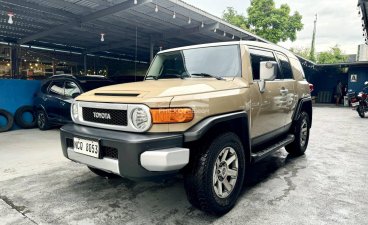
(206, 111)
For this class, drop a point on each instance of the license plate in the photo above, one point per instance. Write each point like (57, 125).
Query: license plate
(354, 104)
(86, 147)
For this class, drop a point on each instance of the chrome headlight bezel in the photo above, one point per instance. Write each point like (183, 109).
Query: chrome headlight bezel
(139, 112)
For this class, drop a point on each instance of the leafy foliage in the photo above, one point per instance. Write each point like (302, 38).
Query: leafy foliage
(334, 55)
(267, 21)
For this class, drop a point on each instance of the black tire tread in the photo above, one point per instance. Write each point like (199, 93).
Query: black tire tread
(18, 117)
(294, 147)
(47, 125)
(9, 118)
(198, 175)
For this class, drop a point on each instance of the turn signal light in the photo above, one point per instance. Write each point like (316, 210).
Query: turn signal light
(172, 115)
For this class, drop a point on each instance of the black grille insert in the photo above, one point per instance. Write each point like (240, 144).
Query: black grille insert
(105, 116)
(109, 152)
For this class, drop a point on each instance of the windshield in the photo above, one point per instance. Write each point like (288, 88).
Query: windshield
(219, 61)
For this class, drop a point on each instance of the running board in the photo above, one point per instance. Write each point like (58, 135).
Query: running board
(272, 148)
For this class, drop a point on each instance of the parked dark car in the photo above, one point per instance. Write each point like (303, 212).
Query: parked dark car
(52, 102)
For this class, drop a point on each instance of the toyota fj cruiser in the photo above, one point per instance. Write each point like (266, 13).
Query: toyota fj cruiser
(207, 111)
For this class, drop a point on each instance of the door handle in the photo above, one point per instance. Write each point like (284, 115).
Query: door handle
(284, 91)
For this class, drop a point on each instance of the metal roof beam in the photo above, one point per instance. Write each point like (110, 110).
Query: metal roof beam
(185, 32)
(84, 19)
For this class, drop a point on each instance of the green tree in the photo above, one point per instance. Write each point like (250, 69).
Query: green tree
(334, 55)
(303, 52)
(267, 21)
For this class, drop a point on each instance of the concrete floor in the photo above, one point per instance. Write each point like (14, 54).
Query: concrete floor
(328, 185)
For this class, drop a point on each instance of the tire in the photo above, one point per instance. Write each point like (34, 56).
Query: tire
(102, 173)
(18, 117)
(360, 111)
(9, 118)
(42, 120)
(301, 131)
(209, 170)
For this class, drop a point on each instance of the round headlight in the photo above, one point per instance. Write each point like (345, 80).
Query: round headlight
(74, 110)
(140, 119)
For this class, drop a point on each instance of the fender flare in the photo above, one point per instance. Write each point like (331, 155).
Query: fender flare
(197, 131)
(303, 103)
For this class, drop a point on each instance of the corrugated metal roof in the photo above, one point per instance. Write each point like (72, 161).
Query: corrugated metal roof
(79, 23)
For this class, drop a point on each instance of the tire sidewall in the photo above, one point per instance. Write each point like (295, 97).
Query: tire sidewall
(9, 118)
(221, 142)
(303, 116)
(19, 117)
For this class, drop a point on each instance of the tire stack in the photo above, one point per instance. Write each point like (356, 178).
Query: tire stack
(18, 118)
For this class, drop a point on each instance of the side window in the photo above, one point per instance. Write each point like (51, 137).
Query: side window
(56, 88)
(257, 56)
(71, 89)
(285, 66)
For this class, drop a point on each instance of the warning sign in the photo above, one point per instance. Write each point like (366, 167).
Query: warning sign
(353, 78)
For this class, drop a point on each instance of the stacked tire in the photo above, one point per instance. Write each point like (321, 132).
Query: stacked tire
(19, 118)
(9, 120)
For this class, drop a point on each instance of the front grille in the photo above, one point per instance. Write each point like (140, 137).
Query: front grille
(69, 143)
(105, 116)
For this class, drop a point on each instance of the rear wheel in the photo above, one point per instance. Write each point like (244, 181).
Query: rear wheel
(360, 111)
(300, 130)
(102, 173)
(42, 120)
(214, 180)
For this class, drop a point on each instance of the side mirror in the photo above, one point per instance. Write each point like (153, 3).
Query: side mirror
(267, 72)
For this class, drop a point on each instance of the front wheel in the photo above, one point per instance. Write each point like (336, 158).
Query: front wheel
(360, 111)
(300, 129)
(215, 178)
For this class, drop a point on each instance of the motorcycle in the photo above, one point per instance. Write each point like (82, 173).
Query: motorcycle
(359, 101)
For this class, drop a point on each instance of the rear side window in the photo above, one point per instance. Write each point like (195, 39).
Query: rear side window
(57, 88)
(285, 66)
(257, 56)
(71, 89)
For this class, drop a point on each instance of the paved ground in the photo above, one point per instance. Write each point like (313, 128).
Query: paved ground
(326, 186)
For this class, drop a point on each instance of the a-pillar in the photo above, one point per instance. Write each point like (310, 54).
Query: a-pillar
(152, 45)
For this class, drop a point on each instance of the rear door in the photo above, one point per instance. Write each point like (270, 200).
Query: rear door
(55, 95)
(288, 89)
(270, 116)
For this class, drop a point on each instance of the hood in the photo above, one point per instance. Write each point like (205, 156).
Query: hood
(163, 88)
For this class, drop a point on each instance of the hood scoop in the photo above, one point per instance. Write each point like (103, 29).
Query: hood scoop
(118, 94)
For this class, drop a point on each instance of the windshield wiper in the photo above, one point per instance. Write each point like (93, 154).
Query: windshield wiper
(208, 75)
(152, 76)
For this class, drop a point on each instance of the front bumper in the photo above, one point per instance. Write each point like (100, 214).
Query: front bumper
(131, 155)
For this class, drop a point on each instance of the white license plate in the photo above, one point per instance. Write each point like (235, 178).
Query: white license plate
(86, 147)
(354, 104)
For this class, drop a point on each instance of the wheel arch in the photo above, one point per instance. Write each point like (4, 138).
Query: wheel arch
(304, 105)
(236, 122)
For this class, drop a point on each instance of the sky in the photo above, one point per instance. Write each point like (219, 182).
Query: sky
(338, 21)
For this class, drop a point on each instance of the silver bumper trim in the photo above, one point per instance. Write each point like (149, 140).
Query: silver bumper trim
(165, 159)
(106, 164)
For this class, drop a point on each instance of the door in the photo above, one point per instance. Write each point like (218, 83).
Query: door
(55, 95)
(270, 116)
(288, 91)
(71, 90)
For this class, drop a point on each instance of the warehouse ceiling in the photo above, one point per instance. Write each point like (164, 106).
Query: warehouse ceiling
(124, 28)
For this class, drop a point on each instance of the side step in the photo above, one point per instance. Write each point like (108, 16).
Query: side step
(272, 148)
